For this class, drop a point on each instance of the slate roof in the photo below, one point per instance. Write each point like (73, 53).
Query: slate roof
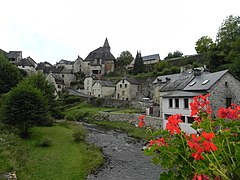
(105, 83)
(43, 65)
(27, 62)
(180, 94)
(67, 62)
(163, 78)
(133, 81)
(14, 54)
(212, 77)
(101, 53)
(58, 79)
(178, 84)
(151, 57)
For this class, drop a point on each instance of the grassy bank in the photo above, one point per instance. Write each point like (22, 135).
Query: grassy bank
(63, 159)
(130, 129)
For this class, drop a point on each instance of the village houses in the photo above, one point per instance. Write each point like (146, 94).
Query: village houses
(103, 89)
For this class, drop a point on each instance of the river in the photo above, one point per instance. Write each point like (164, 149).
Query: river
(124, 158)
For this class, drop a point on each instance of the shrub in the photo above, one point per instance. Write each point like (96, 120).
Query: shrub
(79, 134)
(23, 108)
(45, 142)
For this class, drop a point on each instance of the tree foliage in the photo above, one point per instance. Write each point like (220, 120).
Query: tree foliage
(124, 59)
(174, 55)
(25, 107)
(138, 64)
(204, 45)
(9, 75)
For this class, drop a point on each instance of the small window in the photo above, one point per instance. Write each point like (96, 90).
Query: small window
(125, 85)
(192, 83)
(176, 103)
(190, 119)
(62, 75)
(127, 99)
(228, 102)
(205, 81)
(120, 85)
(186, 104)
(170, 103)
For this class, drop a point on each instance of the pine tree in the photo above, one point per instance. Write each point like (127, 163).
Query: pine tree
(138, 64)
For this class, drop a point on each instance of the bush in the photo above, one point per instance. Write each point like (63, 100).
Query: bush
(45, 142)
(25, 107)
(79, 134)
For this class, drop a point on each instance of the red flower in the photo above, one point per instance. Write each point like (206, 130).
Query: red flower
(208, 144)
(141, 121)
(161, 142)
(193, 143)
(198, 154)
(229, 113)
(200, 177)
(200, 104)
(173, 123)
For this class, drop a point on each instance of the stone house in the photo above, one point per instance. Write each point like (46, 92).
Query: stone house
(27, 64)
(44, 67)
(66, 74)
(147, 60)
(58, 83)
(66, 64)
(88, 83)
(99, 61)
(14, 56)
(128, 89)
(78, 65)
(103, 89)
(223, 86)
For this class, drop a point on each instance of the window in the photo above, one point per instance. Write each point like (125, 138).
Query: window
(183, 119)
(62, 75)
(59, 86)
(190, 119)
(123, 93)
(170, 103)
(192, 83)
(228, 102)
(176, 103)
(127, 99)
(120, 85)
(125, 85)
(186, 105)
(205, 81)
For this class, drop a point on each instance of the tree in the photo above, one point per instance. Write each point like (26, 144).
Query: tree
(24, 107)
(138, 64)
(204, 45)
(124, 59)
(9, 75)
(174, 55)
(228, 32)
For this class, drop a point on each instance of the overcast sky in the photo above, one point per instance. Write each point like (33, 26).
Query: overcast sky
(51, 30)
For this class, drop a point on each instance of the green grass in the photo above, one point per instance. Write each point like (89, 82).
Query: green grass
(83, 110)
(64, 159)
(130, 129)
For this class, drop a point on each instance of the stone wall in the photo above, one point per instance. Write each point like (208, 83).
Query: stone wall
(154, 122)
(227, 87)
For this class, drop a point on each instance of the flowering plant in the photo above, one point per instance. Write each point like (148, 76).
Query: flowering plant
(212, 153)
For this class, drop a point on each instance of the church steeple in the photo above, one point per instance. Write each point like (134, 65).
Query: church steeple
(106, 45)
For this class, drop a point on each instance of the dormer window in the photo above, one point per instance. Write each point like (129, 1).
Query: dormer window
(192, 83)
(205, 81)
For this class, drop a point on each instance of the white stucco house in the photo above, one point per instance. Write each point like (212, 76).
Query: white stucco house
(175, 97)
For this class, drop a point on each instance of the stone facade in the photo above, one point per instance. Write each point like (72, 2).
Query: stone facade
(227, 87)
(154, 122)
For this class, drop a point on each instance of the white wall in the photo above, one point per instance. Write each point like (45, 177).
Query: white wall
(166, 110)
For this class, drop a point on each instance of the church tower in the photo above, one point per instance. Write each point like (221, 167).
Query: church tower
(106, 45)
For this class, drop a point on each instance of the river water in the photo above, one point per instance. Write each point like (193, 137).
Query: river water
(124, 158)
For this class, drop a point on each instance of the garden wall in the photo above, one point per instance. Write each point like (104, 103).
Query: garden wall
(154, 122)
